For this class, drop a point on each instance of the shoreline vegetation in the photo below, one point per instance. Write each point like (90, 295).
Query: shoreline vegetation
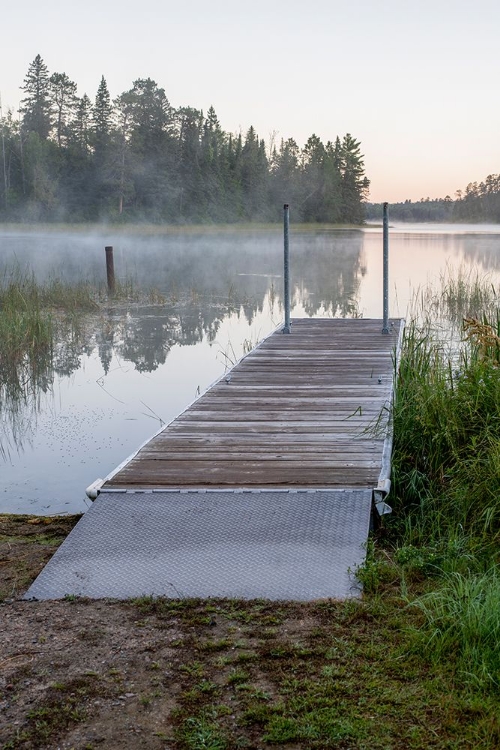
(111, 228)
(478, 203)
(414, 664)
(148, 228)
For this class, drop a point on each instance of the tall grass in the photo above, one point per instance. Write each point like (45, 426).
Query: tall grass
(446, 466)
(446, 473)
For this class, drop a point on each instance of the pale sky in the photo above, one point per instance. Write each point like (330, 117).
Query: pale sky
(417, 83)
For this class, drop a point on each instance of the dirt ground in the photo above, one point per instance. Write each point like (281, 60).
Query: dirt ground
(80, 673)
(73, 674)
(215, 674)
(87, 674)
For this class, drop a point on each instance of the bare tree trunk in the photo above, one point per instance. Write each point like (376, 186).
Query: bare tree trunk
(6, 200)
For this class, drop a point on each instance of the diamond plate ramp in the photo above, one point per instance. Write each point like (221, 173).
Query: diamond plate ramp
(275, 545)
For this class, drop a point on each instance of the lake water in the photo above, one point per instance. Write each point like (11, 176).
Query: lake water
(135, 367)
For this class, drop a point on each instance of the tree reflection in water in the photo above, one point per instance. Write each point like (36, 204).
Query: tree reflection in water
(204, 282)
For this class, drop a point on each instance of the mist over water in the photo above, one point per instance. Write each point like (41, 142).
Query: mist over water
(134, 367)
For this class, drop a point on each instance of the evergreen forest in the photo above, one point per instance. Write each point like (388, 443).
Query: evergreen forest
(138, 158)
(479, 202)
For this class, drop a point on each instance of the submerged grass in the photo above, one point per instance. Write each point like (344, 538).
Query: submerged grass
(34, 318)
(25, 326)
(462, 292)
(28, 321)
(32, 315)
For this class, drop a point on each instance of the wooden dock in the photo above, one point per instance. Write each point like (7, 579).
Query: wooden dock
(304, 410)
(263, 488)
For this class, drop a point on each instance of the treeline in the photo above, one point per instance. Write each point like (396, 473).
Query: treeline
(479, 202)
(136, 157)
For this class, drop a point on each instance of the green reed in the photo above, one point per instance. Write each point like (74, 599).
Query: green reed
(446, 474)
(446, 466)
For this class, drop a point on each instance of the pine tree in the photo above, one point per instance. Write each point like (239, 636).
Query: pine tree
(232, 159)
(123, 107)
(312, 178)
(65, 101)
(188, 170)
(10, 164)
(214, 167)
(153, 149)
(355, 185)
(152, 117)
(82, 125)
(102, 119)
(285, 173)
(36, 105)
(332, 180)
(77, 171)
(254, 176)
(106, 176)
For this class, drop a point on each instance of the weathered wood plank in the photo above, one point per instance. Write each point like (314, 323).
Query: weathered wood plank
(182, 448)
(171, 463)
(150, 475)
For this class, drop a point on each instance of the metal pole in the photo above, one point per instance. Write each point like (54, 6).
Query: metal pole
(286, 273)
(110, 269)
(385, 326)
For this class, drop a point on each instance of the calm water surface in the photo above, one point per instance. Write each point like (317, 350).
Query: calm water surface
(135, 367)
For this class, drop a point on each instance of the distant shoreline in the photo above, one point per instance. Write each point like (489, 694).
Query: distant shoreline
(105, 229)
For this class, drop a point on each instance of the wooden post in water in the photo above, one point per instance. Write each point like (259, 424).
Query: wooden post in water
(110, 269)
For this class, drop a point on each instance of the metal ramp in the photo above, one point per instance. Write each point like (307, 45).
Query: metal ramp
(269, 544)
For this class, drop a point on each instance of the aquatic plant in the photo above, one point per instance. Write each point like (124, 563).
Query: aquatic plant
(25, 331)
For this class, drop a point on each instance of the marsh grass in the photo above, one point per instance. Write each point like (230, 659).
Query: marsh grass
(26, 352)
(461, 293)
(30, 316)
(25, 326)
(37, 320)
(33, 314)
(445, 533)
(447, 440)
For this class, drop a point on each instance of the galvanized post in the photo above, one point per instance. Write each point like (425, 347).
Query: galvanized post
(110, 269)
(286, 272)
(385, 325)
